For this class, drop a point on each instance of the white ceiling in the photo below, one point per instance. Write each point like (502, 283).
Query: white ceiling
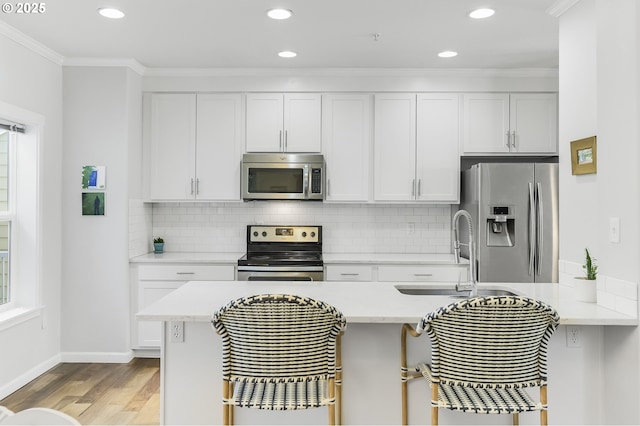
(324, 33)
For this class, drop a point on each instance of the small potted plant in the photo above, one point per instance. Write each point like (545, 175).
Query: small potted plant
(158, 245)
(586, 287)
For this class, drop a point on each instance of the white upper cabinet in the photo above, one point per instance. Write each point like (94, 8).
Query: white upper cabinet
(172, 146)
(395, 147)
(437, 147)
(346, 141)
(219, 146)
(289, 122)
(534, 123)
(416, 147)
(518, 123)
(194, 145)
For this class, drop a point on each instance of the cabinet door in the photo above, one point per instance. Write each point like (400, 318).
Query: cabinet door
(346, 135)
(395, 147)
(534, 123)
(437, 142)
(150, 332)
(264, 122)
(486, 123)
(219, 147)
(302, 122)
(172, 146)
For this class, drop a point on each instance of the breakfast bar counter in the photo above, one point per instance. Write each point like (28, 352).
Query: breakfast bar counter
(191, 367)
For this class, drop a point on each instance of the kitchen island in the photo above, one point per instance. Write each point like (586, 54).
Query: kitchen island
(191, 388)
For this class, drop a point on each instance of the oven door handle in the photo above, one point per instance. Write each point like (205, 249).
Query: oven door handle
(280, 268)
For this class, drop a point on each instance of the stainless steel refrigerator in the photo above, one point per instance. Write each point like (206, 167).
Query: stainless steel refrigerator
(515, 218)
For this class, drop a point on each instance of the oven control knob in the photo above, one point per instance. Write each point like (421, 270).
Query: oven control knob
(264, 233)
(313, 234)
(304, 234)
(255, 233)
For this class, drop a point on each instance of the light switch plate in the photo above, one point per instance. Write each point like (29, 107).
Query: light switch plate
(614, 229)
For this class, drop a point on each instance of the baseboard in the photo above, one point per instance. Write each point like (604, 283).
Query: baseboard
(30, 375)
(146, 353)
(106, 357)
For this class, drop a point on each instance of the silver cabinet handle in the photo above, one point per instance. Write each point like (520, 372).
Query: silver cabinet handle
(419, 187)
(508, 139)
(422, 275)
(513, 138)
(286, 140)
(349, 274)
(185, 273)
(197, 186)
(280, 142)
(191, 186)
(328, 187)
(413, 188)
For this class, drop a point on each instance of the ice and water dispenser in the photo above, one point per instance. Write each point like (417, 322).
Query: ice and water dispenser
(501, 226)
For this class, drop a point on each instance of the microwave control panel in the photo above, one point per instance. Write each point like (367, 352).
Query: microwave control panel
(316, 181)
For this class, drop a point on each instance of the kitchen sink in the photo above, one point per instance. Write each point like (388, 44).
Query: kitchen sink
(449, 291)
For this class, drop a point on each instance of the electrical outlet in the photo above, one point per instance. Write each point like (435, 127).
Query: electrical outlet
(574, 336)
(177, 331)
(411, 228)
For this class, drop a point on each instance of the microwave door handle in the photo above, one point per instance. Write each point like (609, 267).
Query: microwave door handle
(305, 182)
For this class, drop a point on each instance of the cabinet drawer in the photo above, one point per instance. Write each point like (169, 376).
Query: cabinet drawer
(187, 272)
(349, 273)
(423, 273)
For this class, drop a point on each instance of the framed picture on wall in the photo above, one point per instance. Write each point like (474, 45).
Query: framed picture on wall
(583, 156)
(93, 204)
(94, 177)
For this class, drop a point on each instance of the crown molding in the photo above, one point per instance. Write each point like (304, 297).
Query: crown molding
(350, 72)
(560, 7)
(106, 62)
(31, 44)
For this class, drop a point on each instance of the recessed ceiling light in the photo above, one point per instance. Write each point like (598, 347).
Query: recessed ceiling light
(279, 13)
(109, 12)
(287, 54)
(481, 13)
(448, 54)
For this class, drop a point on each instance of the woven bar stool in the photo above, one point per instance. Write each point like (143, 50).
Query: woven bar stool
(484, 352)
(280, 352)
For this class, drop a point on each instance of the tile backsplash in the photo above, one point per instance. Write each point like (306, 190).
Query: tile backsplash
(347, 228)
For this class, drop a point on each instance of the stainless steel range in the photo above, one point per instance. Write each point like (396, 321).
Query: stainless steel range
(282, 253)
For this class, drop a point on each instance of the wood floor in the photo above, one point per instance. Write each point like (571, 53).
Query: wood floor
(106, 394)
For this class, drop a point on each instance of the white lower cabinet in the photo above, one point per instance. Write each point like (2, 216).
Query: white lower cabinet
(349, 273)
(427, 273)
(153, 282)
(396, 273)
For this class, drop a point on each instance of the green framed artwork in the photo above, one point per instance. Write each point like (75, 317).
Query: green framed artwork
(93, 204)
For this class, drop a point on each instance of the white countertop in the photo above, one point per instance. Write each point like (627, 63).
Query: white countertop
(187, 257)
(365, 302)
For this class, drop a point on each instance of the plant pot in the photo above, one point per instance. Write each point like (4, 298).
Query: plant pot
(585, 290)
(158, 247)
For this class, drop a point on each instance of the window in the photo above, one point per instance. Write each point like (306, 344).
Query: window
(20, 213)
(6, 215)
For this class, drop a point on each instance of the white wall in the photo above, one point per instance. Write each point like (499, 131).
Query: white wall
(599, 95)
(30, 82)
(101, 121)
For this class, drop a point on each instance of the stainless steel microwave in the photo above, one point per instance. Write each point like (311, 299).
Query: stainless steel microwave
(283, 176)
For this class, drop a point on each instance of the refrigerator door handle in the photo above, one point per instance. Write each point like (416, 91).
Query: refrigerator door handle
(532, 231)
(539, 230)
